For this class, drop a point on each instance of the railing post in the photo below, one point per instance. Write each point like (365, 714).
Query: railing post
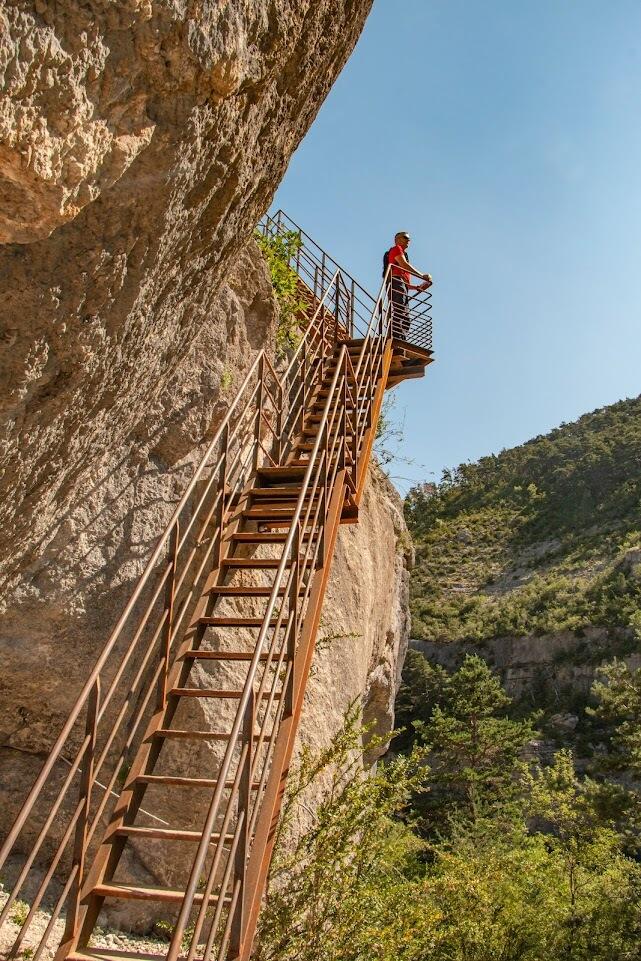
(323, 344)
(303, 399)
(370, 386)
(170, 598)
(344, 417)
(242, 848)
(280, 421)
(259, 407)
(80, 841)
(292, 620)
(352, 297)
(322, 513)
(337, 300)
(223, 491)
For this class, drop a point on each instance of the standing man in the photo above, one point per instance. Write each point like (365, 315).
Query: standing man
(400, 273)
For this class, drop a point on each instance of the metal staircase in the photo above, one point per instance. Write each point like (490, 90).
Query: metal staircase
(219, 630)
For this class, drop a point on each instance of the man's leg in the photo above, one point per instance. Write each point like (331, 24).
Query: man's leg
(399, 308)
(407, 320)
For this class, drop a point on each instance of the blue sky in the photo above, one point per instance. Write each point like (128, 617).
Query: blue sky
(506, 137)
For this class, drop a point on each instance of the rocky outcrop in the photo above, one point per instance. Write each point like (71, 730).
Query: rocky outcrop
(67, 599)
(560, 664)
(141, 141)
(365, 624)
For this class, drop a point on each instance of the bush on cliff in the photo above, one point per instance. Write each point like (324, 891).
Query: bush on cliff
(278, 252)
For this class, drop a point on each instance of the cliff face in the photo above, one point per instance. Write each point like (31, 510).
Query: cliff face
(141, 142)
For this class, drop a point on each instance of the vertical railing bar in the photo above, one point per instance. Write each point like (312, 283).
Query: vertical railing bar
(223, 499)
(351, 310)
(80, 842)
(55, 913)
(244, 801)
(170, 597)
(44, 884)
(259, 404)
(292, 627)
(228, 924)
(213, 870)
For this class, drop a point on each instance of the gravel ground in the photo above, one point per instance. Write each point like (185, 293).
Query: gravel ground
(107, 938)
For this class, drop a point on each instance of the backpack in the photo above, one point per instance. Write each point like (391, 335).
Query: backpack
(385, 262)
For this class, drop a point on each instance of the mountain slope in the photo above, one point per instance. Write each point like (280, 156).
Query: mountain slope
(541, 538)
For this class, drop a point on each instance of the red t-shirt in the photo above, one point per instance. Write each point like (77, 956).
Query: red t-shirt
(391, 259)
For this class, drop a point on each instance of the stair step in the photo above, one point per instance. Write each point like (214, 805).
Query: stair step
(266, 511)
(313, 432)
(281, 473)
(165, 834)
(213, 692)
(140, 893)
(203, 655)
(263, 537)
(173, 780)
(234, 590)
(113, 954)
(309, 445)
(251, 537)
(323, 394)
(179, 734)
(239, 621)
(252, 563)
(287, 493)
(316, 415)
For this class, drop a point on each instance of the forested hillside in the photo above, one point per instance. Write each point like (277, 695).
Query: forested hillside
(540, 538)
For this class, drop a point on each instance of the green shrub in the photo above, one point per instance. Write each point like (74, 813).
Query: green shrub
(278, 252)
(19, 912)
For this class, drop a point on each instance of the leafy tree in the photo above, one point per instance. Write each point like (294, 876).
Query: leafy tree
(618, 690)
(343, 889)
(474, 748)
(420, 690)
(505, 893)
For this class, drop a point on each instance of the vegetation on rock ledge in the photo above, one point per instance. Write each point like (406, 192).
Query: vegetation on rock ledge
(278, 252)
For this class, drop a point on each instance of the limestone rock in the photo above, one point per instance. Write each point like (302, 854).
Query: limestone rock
(140, 141)
(565, 723)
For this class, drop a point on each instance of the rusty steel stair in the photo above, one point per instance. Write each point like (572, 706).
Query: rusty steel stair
(221, 630)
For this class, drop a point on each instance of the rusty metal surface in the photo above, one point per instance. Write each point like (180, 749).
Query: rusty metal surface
(318, 418)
